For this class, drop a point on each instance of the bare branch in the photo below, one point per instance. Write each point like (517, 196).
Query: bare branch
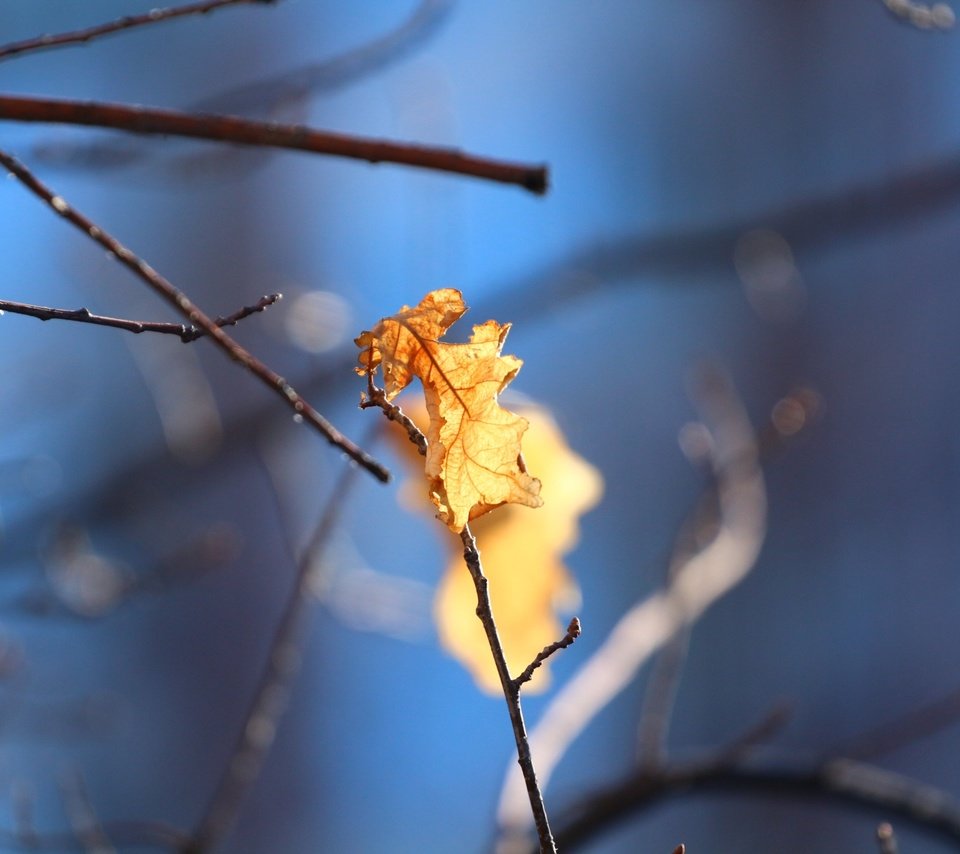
(154, 16)
(240, 131)
(852, 784)
(511, 687)
(183, 331)
(182, 303)
(573, 632)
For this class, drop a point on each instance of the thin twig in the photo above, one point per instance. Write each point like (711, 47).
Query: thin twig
(183, 331)
(510, 686)
(270, 698)
(242, 131)
(195, 316)
(511, 692)
(573, 632)
(154, 16)
(377, 397)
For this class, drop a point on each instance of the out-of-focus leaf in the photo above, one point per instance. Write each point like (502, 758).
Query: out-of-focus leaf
(522, 555)
(473, 461)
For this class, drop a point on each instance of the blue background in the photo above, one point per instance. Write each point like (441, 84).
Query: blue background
(670, 130)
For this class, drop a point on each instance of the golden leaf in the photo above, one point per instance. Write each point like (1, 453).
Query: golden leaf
(522, 555)
(473, 461)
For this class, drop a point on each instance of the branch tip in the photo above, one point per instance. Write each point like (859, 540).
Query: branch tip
(574, 630)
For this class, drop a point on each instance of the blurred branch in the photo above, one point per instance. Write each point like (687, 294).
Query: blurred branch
(511, 687)
(294, 87)
(648, 626)
(234, 129)
(685, 256)
(916, 724)
(84, 315)
(281, 95)
(154, 16)
(124, 834)
(886, 839)
(790, 416)
(841, 781)
(269, 701)
(939, 16)
(84, 821)
(194, 315)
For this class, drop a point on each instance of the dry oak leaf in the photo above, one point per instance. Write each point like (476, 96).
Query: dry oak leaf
(473, 461)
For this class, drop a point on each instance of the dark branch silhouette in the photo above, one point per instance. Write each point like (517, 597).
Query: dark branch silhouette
(128, 22)
(186, 333)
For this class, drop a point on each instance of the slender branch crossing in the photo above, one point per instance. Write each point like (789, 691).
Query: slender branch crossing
(185, 306)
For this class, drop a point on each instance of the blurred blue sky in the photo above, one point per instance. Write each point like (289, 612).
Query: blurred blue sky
(670, 130)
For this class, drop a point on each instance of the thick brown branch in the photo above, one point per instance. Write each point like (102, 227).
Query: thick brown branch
(127, 22)
(182, 303)
(186, 333)
(241, 131)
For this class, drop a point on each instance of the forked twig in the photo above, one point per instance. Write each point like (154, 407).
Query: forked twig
(182, 303)
(242, 131)
(511, 687)
(186, 333)
(154, 16)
